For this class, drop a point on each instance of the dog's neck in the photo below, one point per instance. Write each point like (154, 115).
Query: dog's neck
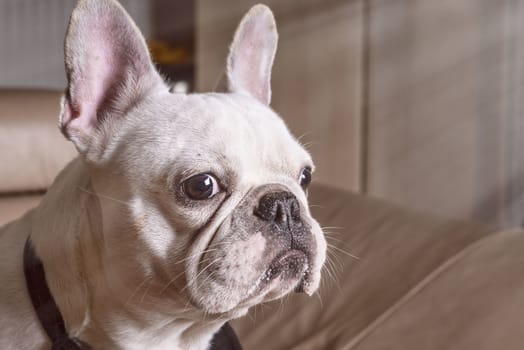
(98, 306)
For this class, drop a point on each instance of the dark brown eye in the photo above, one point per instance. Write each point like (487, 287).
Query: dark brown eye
(305, 177)
(200, 187)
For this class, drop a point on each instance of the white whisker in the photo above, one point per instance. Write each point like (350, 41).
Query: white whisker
(343, 251)
(102, 196)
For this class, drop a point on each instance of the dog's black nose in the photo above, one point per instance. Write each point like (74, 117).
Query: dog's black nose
(281, 208)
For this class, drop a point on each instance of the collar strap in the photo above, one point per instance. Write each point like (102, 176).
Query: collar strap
(44, 303)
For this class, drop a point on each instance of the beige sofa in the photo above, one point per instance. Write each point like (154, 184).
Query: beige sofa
(419, 282)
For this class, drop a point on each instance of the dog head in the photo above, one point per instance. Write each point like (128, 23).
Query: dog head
(211, 188)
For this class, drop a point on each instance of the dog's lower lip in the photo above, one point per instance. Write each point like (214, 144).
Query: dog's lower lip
(292, 260)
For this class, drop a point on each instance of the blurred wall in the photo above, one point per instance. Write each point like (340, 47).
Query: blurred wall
(445, 107)
(32, 36)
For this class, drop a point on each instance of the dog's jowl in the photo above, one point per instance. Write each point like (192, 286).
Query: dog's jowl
(181, 211)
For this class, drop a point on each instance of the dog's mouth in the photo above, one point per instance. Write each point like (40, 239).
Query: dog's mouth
(289, 269)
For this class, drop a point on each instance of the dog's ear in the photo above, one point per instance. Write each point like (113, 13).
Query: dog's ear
(108, 69)
(252, 53)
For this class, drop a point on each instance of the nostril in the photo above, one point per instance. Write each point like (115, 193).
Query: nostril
(282, 208)
(265, 210)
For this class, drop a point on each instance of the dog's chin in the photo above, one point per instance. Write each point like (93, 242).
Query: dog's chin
(289, 271)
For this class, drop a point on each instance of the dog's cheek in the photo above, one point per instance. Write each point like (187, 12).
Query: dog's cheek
(238, 265)
(152, 229)
(244, 259)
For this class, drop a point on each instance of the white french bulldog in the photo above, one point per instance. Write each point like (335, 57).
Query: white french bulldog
(182, 210)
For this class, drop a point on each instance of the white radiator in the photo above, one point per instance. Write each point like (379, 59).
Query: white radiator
(32, 35)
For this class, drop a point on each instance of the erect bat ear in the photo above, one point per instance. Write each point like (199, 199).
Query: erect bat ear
(108, 69)
(252, 53)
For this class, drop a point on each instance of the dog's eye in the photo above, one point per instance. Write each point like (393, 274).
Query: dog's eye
(305, 177)
(202, 186)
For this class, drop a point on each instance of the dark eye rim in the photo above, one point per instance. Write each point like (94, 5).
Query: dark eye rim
(184, 182)
(309, 171)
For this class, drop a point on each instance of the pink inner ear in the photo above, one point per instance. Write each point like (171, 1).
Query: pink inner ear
(253, 66)
(89, 80)
(106, 59)
(252, 54)
(101, 71)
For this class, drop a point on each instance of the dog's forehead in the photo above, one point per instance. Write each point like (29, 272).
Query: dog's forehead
(227, 113)
(227, 125)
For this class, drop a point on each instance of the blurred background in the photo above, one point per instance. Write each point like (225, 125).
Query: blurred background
(415, 101)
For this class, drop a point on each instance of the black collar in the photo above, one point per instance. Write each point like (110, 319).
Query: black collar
(44, 304)
(53, 323)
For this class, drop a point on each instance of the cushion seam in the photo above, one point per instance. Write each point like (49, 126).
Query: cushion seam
(420, 286)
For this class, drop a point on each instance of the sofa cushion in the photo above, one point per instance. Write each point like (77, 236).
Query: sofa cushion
(13, 206)
(473, 301)
(32, 149)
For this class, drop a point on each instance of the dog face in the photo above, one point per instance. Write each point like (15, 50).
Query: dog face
(211, 187)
